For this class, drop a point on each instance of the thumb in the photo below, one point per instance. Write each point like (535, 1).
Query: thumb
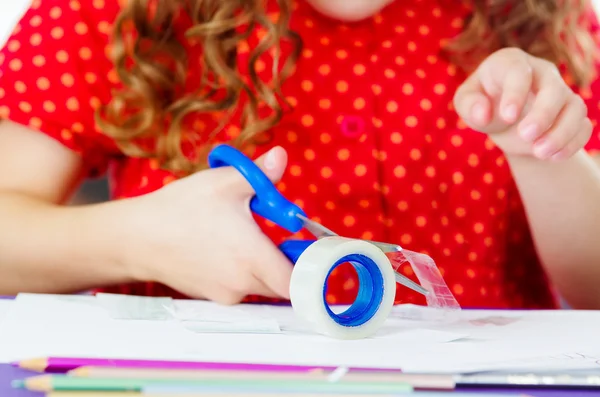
(272, 164)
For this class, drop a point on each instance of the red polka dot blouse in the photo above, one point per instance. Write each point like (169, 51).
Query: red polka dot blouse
(376, 150)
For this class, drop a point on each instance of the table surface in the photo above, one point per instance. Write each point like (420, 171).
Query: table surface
(8, 373)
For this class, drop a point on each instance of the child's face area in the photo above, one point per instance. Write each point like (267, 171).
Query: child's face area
(349, 10)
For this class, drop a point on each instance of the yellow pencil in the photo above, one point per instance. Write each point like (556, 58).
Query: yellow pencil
(425, 381)
(96, 394)
(439, 382)
(138, 394)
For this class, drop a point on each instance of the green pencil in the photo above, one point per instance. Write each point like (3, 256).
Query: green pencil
(47, 383)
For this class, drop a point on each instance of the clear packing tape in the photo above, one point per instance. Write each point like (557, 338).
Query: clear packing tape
(439, 295)
(378, 267)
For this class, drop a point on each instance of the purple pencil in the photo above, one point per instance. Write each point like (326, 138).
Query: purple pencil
(65, 364)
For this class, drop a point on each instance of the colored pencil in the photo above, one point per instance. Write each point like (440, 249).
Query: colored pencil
(99, 394)
(183, 391)
(143, 394)
(417, 381)
(46, 383)
(64, 364)
(430, 382)
(549, 380)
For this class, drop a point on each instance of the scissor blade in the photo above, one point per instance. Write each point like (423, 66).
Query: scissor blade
(320, 231)
(316, 228)
(386, 247)
(400, 279)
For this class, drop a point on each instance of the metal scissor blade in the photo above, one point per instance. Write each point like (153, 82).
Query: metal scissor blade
(315, 228)
(400, 279)
(386, 247)
(320, 231)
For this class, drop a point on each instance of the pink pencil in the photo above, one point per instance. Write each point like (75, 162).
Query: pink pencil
(65, 364)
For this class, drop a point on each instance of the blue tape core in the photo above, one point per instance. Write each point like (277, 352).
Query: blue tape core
(370, 291)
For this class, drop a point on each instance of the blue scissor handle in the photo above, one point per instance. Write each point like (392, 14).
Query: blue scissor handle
(292, 249)
(268, 201)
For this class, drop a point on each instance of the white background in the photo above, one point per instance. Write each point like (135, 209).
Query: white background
(10, 12)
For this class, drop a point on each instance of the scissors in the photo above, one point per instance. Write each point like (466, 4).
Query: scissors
(269, 203)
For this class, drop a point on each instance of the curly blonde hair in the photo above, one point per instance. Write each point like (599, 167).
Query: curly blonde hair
(152, 64)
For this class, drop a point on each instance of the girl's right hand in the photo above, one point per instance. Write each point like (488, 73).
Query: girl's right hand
(197, 236)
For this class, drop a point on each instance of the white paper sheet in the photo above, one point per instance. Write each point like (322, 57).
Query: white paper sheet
(189, 314)
(41, 325)
(129, 307)
(4, 307)
(53, 325)
(203, 317)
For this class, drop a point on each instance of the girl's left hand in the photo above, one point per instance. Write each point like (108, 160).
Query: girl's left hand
(525, 106)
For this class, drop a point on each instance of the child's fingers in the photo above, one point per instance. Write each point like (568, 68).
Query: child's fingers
(261, 289)
(273, 164)
(222, 294)
(578, 142)
(479, 109)
(248, 284)
(548, 103)
(472, 105)
(568, 124)
(516, 86)
(233, 289)
(273, 269)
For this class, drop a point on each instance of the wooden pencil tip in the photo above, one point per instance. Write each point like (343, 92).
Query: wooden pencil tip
(80, 371)
(34, 364)
(17, 384)
(41, 383)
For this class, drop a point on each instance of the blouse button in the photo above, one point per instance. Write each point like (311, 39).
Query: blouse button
(352, 126)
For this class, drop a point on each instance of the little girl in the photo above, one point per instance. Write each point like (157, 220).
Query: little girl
(461, 130)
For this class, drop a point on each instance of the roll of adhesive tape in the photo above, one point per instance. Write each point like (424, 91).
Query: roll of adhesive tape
(376, 289)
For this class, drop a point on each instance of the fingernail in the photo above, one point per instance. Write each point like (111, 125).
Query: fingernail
(559, 156)
(270, 160)
(543, 150)
(529, 132)
(478, 113)
(510, 113)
